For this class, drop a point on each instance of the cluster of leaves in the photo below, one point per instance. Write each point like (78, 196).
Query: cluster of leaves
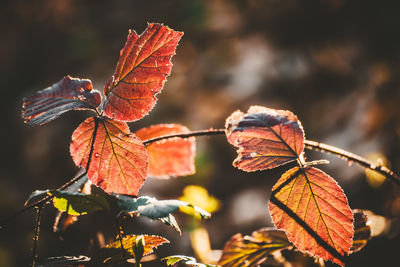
(307, 204)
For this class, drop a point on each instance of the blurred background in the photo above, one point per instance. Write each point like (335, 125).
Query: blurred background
(334, 63)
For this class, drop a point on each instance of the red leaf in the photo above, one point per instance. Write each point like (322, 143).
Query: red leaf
(150, 243)
(266, 138)
(117, 159)
(141, 71)
(172, 156)
(68, 94)
(313, 211)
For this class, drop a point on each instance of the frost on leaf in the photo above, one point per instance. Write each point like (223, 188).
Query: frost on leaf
(169, 157)
(116, 160)
(68, 94)
(144, 64)
(253, 250)
(313, 211)
(266, 138)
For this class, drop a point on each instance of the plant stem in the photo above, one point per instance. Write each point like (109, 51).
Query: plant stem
(311, 145)
(40, 201)
(36, 234)
(119, 230)
(186, 135)
(350, 157)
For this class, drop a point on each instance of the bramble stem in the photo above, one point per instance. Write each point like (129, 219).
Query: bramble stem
(208, 132)
(119, 230)
(350, 157)
(311, 145)
(36, 235)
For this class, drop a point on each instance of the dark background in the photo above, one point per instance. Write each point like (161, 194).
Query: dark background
(334, 63)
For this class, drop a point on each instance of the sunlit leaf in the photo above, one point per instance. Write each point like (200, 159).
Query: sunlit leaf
(253, 250)
(150, 243)
(115, 158)
(153, 208)
(68, 94)
(172, 260)
(362, 231)
(144, 64)
(169, 157)
(266, 138)
(73, 203)
(313, 211)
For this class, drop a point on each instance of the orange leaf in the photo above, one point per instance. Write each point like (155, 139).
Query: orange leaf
(266, 138)
(150, 243)
(68, 94)
(115, 159)
(172, 156)
(141, 71)
(313, 211)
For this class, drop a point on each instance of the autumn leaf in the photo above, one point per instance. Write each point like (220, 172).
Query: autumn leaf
(150, 243)
(313, 211)
(68, 94)
(253, 250)
(266, 138)
(169, 157)
(115, 159)
(172, 260)
(144, 64)
(362, 231)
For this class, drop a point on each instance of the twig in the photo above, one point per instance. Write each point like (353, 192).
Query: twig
(186, 135)
(119, 230)
(350, 157)
(36, 235)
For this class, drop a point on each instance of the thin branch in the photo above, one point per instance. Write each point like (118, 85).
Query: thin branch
(41, 201)
(36, 234)
(186, 135)
(350, 157)
(119, 230)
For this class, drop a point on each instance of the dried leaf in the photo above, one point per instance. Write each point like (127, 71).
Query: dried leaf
(68, 94)
(253, 250)
(362, 231)
(266, 138)
(150, 243)
(169, 157)
(313, 211)
(144, 64)
(115, 158)
(172, 260)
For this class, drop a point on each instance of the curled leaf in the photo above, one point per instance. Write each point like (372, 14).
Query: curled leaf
(144, 64)
(313, 211)
(115, 159)
(172, 156)
(129, 242)
(253, 250)
(362, 231)
(266, 138)
(68, 94)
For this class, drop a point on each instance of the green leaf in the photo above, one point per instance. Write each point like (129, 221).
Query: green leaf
(73, 203)
(253, 250)
(155, 209)
(172, 260)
